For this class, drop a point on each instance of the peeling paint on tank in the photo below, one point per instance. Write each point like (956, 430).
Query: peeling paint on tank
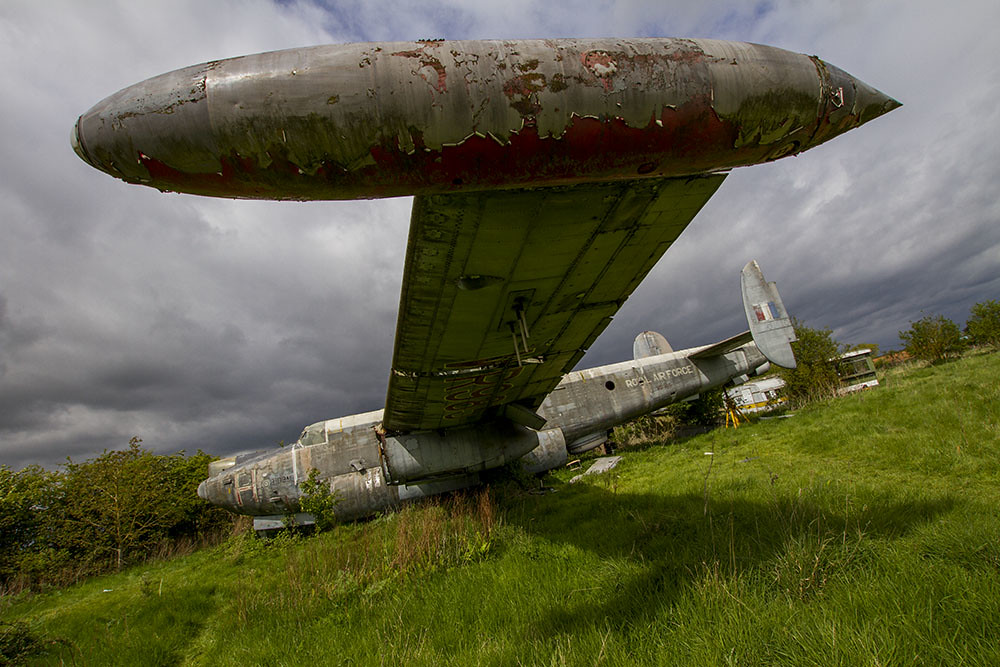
(552, 112)
(431, 70)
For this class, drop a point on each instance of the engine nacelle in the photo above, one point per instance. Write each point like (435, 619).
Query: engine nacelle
(550, 453)
(415, 458)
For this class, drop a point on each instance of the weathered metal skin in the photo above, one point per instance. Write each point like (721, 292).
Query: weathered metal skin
(370, 476)
(379, 120)
(598, 399)
(425, 456)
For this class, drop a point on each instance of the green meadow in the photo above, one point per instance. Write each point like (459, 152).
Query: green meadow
(863, 530)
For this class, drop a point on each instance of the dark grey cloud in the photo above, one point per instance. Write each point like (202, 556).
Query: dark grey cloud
(226, 326)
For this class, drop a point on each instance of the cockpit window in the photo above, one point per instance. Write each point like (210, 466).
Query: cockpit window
(313, 435)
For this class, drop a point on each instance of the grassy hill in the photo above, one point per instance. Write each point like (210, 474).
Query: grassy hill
(865, 530)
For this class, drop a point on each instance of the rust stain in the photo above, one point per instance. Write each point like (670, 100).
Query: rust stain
(600, 64)
(522, 91)
(606, 66)
(438, 81)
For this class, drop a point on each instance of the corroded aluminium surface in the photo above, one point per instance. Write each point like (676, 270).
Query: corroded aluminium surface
(384, 119)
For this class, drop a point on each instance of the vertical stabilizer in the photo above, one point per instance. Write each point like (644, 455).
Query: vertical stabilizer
(650, 344)
(769, 321)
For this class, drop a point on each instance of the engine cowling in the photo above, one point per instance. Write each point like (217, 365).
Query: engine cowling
(415, 458)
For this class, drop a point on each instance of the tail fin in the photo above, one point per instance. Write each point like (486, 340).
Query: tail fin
(769, 322)
(650, 344)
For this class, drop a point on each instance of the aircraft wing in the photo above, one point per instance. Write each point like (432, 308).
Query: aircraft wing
(504, 290)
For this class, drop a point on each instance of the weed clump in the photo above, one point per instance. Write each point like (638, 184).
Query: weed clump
(364, 561)
(18, 642)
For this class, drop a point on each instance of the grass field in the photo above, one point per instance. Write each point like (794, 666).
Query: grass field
(862, 531)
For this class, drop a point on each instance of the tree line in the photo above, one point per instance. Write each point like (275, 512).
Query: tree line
(101, 515)
(932, 338)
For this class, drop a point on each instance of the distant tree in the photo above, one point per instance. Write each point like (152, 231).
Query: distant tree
(984, 325)
(932, 338)
(120, 507)
(25, 495)
(195, 518)
(815, 375)
(107, 512)
(115, 511)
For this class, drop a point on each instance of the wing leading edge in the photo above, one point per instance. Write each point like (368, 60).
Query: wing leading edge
(504, 291)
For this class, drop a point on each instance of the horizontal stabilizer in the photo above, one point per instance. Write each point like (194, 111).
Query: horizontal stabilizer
(650, 344)
(769, 322)
(723, 346)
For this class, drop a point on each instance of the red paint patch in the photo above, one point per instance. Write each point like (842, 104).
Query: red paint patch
(439, 84)
(522, 91)
(688, 140)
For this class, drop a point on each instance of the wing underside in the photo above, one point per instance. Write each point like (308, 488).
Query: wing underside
(504, 290)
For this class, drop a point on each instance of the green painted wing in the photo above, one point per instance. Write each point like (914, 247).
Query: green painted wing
(504, 290)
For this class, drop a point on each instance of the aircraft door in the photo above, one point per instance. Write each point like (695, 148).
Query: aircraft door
(246, 490)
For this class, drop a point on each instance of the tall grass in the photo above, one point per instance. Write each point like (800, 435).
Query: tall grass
(865, 530)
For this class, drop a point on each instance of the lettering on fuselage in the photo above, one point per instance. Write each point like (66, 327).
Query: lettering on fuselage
(673, 372)
(660, 376)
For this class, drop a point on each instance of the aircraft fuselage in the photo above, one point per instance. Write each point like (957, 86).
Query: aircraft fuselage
(358, 463)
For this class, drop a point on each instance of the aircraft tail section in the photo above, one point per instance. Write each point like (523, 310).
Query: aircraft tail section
(650, 344)
(770, 324)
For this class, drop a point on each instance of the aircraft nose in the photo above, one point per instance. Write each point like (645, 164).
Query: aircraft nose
(850, 96)
(872, 103)
(203, 490)
(849, 103)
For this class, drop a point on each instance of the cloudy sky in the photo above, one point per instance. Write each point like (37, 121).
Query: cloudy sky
(230, 325)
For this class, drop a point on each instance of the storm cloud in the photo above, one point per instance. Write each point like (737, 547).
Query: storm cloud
(229, 325)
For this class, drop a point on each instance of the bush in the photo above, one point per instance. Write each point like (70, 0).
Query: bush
(984, 325)
(932, 338)
(24, 495)
(319, 500)
(18, 643)
(119, 508)
(815, 375)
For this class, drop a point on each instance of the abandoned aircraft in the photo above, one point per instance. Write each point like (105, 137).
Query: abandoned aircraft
(549, 177)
